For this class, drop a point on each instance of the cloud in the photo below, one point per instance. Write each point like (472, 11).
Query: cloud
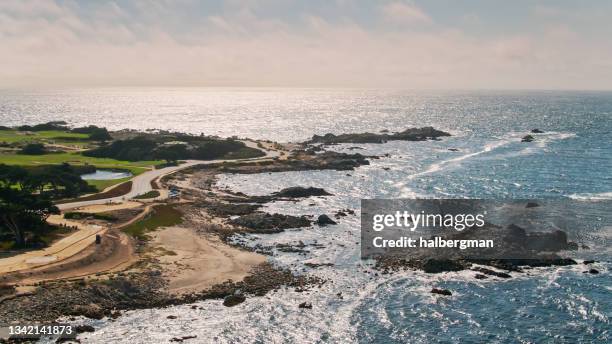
(116, 45)
(405, 13)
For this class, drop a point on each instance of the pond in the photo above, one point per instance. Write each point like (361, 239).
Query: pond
(106, 175)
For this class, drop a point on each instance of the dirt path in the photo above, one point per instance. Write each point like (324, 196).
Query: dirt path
(58, 251)
(194, 263)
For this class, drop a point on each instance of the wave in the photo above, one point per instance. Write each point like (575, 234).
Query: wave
(604, 196)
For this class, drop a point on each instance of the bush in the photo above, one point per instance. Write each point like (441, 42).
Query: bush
(54, 125)
(33, 149)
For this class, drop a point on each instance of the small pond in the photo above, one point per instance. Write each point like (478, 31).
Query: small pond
(106, 175)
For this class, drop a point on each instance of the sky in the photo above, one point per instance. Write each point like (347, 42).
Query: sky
(415, 44)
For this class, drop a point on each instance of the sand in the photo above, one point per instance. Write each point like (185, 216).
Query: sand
(194, 263)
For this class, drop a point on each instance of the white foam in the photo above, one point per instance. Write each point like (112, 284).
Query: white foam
(604, 196)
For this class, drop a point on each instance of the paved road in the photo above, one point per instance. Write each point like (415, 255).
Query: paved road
(141, 184)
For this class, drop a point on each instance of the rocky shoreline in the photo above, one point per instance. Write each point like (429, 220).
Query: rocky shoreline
(224, 213)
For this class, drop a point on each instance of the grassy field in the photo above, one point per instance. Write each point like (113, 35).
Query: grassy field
(51, 136)
(103, 184)
(75, 159)
(161, 216)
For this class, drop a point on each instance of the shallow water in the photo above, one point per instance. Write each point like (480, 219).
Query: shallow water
(572, 159)
(105, 175)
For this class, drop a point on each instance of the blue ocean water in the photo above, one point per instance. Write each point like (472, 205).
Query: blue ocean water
(572, 160)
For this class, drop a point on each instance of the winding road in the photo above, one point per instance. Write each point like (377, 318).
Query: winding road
(85, 235)
(141, 184)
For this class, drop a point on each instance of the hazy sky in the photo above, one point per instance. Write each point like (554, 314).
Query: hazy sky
(348, 43)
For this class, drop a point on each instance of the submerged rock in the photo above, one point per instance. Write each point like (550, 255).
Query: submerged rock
(527, 138)
(491, 272)
(537, 131)
(444, 292)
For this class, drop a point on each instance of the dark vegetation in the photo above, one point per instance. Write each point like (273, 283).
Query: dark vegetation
(150, 194)
(33, 149)
(76, 215)
(25, 202)
(95, 133)
(174, 147)
(54, 125)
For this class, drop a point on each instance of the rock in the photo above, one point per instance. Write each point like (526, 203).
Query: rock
(305, 305)
(171, 317)
(548, 241)
(532, 205)
(527, 138)
(537, 131)
(491, 272)
(324, 220)
(92, 311)
(316, 265)
(444, 292)
(480, 276)
(265, 223)
(594, 271)
(233, 300)
(453, 149)
(84, 328)
(301, 192)
(587, 262)
(442, 265)
(411, 134)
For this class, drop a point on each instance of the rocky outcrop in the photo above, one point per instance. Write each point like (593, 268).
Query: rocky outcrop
(535, 249)
(411, 134)
(301, 192)
(265, 223)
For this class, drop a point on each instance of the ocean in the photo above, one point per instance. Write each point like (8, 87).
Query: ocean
(572, 160)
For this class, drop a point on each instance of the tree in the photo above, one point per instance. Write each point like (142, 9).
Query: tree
(34, 149)
(171, 153)
(21, 211)
(100, 134)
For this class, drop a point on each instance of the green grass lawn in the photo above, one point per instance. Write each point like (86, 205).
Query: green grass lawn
(103, 184)
(12, 136)
(75, 159)
(161, 216)
(135, 167)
